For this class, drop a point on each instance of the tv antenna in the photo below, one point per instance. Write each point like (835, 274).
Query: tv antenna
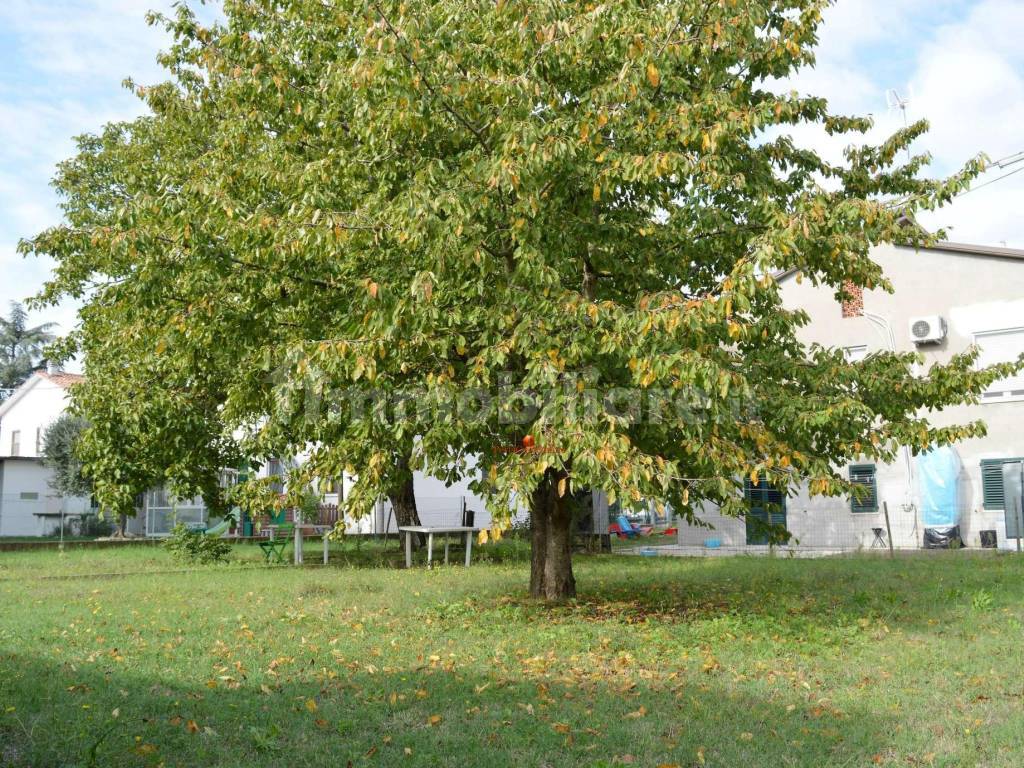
(896, 101)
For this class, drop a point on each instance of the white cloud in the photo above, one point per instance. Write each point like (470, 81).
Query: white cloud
(963, 70)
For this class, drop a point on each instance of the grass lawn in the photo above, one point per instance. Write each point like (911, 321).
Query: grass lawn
(729, 662)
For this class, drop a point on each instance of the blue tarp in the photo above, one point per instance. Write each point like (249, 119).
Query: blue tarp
(938, 473)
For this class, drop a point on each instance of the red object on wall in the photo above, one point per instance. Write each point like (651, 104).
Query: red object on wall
(528, 441)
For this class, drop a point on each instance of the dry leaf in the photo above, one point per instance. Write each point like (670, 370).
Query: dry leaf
(561, 727)
(311, 705)
(192, 726)
(653, 75)
(434, 719)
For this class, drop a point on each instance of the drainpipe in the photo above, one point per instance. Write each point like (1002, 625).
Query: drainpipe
(886, 327)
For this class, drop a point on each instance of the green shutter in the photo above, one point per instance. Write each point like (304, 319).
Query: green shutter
(864, 474)
(766, 518)
(992, 482)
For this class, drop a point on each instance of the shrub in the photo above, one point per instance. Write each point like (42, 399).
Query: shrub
(196, 547)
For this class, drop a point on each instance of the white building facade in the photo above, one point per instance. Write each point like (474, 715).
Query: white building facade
(28, 505)
(946, 299)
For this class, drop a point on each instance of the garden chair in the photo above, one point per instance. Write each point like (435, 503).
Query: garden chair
(273, 548)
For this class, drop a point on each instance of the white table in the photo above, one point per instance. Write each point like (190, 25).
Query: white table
(430, 530)
(298, 532)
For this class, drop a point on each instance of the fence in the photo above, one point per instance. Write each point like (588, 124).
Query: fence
(34, 514)
(831, 526)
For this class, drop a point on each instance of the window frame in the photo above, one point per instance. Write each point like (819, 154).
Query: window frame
(15, 442)
(849, 356)
(995, 395)
(857, 507)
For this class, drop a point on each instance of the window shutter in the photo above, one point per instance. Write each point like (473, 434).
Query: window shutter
(992, 483)
(864, 474)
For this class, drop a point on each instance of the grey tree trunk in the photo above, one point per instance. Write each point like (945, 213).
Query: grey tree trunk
(551, 576)
(403, 499)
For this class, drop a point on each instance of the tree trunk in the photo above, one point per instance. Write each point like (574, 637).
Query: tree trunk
(551, 576)
(403, 500)
(122, 525)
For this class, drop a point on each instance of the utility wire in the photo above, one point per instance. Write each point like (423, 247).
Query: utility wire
(993, 181)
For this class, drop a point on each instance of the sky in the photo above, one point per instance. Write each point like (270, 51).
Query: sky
(957, 62)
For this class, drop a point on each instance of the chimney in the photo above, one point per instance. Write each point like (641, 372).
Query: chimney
(854, 305)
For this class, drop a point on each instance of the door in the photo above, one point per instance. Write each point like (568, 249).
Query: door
(766, 520)
(1013, 503)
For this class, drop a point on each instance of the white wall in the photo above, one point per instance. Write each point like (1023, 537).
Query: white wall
(974, 294)
(26, 495)
(38, 404)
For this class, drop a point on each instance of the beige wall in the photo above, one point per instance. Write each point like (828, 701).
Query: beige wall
(974, 294)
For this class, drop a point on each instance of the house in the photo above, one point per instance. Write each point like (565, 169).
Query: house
(946, 298)
(28, 505)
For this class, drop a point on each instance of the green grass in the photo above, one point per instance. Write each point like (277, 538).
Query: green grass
(719, 662)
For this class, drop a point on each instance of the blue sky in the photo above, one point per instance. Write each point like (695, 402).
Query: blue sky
(959, 62)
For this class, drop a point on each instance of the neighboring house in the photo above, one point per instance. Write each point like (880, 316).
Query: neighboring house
(946, 299)
(28, 505)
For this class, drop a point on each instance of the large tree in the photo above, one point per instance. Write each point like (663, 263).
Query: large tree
(510, 212)
(21, 346)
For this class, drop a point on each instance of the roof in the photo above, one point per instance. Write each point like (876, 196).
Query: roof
(963, 249)
(978, 250)
(61, 379)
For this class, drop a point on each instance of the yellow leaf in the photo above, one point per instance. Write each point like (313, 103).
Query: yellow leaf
(434, 719)
(747, 736)
(561, 486)
(481, 538)
(407, 751)
(597, 192)
(372, 288)
(561, 727)
(638, 714)
(653, 75)
(311, 705)
(192, 726)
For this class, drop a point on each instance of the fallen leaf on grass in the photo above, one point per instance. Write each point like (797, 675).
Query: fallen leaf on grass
(747, 736)
(639, 713)
(192, 726)
(561, 727)
(311, 705)
(434, 719)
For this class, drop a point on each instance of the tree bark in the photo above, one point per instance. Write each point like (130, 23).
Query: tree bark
(403, 499)
(122, 525)
(551, 576)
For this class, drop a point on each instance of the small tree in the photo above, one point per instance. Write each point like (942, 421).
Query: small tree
(61, 442)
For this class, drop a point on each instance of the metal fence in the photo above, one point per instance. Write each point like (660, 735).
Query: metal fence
(830, 527)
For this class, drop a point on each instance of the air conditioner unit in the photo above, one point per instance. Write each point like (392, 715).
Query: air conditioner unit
(929, 329)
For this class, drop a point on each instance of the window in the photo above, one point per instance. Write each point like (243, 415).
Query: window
(766, 520)
(39, 441)
(855, 354)
(15, 442)
(992, 482)
(867, 501)
(1001, 347)
(29, 495)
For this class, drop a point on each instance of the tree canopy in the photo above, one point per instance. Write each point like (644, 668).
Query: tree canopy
(21, 346)
(60, 445)
(351, 228)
